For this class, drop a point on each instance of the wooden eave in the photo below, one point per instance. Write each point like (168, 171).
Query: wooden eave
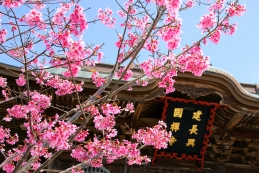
(236, 128)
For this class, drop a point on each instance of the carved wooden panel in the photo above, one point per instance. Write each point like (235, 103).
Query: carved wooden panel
(193, 92)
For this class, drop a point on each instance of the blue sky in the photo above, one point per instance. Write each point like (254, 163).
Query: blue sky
(237, 54)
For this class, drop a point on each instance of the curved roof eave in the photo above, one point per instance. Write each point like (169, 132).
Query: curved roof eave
(232, 79)
(212, 71)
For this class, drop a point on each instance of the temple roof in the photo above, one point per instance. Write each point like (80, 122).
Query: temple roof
(236, 127)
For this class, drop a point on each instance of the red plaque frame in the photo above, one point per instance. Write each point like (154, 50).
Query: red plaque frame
(199, 161)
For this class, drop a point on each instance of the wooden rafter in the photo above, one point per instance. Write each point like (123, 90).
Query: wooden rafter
(136, 115)
(234, 121)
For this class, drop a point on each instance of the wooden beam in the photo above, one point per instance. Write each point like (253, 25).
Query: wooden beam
(234, 121)
(48, 170)
(136, 115)
(232, 165)
(240, 135)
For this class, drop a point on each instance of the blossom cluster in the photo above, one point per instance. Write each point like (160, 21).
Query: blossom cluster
(193, 61)
(21, 81)
(38, 4)
(5, 136)
(12, 4)
(156, 136)
(236, 9)
(97, 150)
(218, 5)
(3, 34)
(34, 18)
(190, 3)
(105, 17)
(59, 18)
(58, 137)
(78, 23)
(64, 32)
(141, 23)
(97, 79)
(63, 86)
(207, 21)
(35, 106)
(128, 74)
(3, 82)
(171, 34)
(151, 45)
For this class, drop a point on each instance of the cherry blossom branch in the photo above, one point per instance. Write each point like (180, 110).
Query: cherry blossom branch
(138, 46)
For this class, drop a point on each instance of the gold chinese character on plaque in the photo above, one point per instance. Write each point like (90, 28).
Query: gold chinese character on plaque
(172, 140)
(178, 112)
(190, 142)
(193, 130)
(175, 126)
(197, 115)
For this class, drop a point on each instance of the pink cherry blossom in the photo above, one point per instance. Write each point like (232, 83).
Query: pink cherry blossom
(130, 88)
(35, 165)
(4, 133)
(63, 86)
(78, 22)
(92, 110)
(77, 170)
(59, 18)
(55, 39)
(38, 149)
(18, 111)
(72, 70)
(120, 43)
(38, 5)
(9, 167)
(151, 45)
(3, 82)
(126, 76)
(100, 56)
(207, 21)
(104, 122)
(111, 150)
(236, 9)
(194, 61)
(58, 138)
(132, 39)
(81, 136)
(156, 136)
(110, 109)
(121, 14)
(21, 81)
(3, 34)
(40, 100)
(159, 2)
(34, 18)
(142, 83)
(7, 118)
(13, 3)
(97, 80)
(167, 83)
(12, 139)
(190, 3)
(173, 5)
(105, 17)
(218, 5)
(142, 23)
(129, 107)
(216, 36)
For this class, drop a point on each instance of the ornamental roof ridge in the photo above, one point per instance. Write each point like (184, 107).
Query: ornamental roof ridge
(233, 79)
